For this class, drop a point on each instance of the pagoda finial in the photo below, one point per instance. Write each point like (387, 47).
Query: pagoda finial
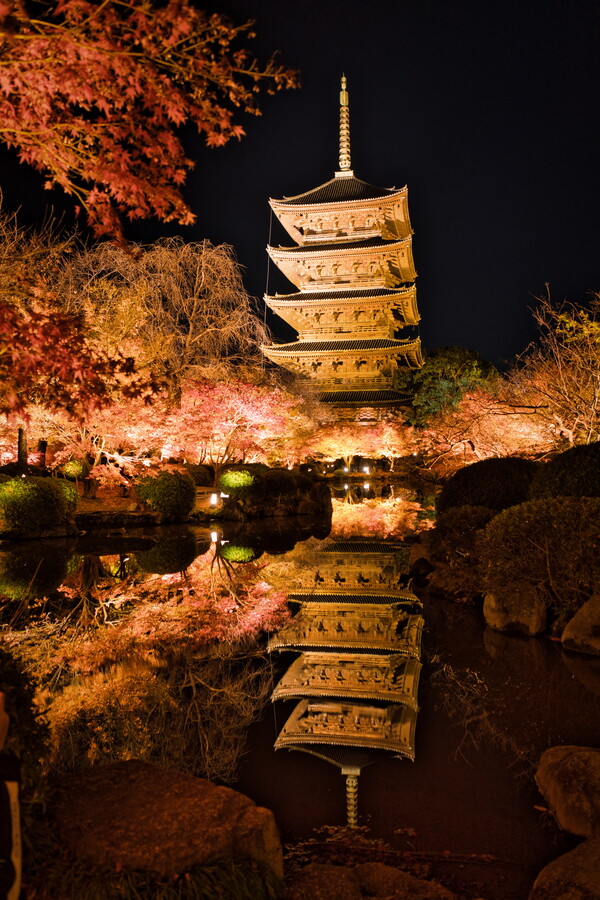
(345, 165)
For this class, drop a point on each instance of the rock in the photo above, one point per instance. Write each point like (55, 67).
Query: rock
(569, 779)
(134, 815)
(378, 880)
(522, 611)
(323, 882)
(582, 633)
(573, 876)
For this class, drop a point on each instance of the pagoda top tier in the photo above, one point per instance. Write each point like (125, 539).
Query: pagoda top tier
(344, 208)
(341, 188)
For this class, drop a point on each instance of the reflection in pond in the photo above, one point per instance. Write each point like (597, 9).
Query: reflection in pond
(359, 630)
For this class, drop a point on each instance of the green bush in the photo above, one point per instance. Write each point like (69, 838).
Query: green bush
(551, 547)
(25, 574)
(75, 468)
(171, 554)
(282, 482)
(574, 473)
(237, 481)
(172, 494)
(496, 483)
(32, 504)
(70, 492)
(239, 552)
(202, 476)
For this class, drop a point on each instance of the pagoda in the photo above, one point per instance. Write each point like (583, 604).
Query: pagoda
(354, 307)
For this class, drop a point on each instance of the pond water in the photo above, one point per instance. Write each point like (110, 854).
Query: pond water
(489, 704)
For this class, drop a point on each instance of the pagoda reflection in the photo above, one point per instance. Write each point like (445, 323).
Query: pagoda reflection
(357, 630)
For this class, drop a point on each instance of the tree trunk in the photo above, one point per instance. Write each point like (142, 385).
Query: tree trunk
(22, 451)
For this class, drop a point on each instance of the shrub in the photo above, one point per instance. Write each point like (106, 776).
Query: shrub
(33, 504)
(282, 482)
(237, 482)
(549, 546)
(455, 551)
(239, 553)
(172, 494)
(201, 475)
(70, 492)
(171, 554)
(574, 473)
(75, 468)
(27, 575)
(496, 483)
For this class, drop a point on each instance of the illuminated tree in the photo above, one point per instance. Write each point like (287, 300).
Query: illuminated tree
(45, 358)
(558, 381)
(447, 374)
(92, 95)
(179, 308)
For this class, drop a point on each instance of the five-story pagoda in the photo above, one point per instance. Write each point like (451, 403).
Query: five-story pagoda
(355, 307)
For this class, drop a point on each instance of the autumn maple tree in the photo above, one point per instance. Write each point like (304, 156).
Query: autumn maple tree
(92, 95)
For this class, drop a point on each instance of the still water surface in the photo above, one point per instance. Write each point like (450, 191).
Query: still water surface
(489, 705)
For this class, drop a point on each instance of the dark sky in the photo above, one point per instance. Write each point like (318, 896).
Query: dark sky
(487, 110)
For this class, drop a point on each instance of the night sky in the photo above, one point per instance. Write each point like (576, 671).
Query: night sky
(487, 110)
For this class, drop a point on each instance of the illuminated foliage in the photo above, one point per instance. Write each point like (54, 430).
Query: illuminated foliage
(179, 309)
(45, 357)
(558, 381)
(92, 96)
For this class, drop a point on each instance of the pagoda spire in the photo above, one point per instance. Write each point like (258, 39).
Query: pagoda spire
(344, 159)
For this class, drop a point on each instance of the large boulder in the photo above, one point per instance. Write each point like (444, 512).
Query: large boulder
(582, 633)
(379, 880)
(522, 610)
(324, 882)
(569, 779)
(573, 876)
(134, 815)
(327, 882)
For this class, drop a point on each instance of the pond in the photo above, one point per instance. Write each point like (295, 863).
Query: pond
(466, 808)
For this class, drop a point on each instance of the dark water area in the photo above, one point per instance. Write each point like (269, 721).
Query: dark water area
(489, 705)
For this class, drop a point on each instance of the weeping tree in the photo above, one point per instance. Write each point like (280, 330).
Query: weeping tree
(180, 309)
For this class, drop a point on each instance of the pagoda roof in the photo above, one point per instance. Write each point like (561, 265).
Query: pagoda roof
(361, 344)
(362, 398)
(354, 294)
(339, 189)
(373, 243)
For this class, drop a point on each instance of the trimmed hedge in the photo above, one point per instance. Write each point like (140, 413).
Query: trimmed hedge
(574, 473)
(551, 546)
(172, 494)
(497, 483)
(201, 475)
(33, 504)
